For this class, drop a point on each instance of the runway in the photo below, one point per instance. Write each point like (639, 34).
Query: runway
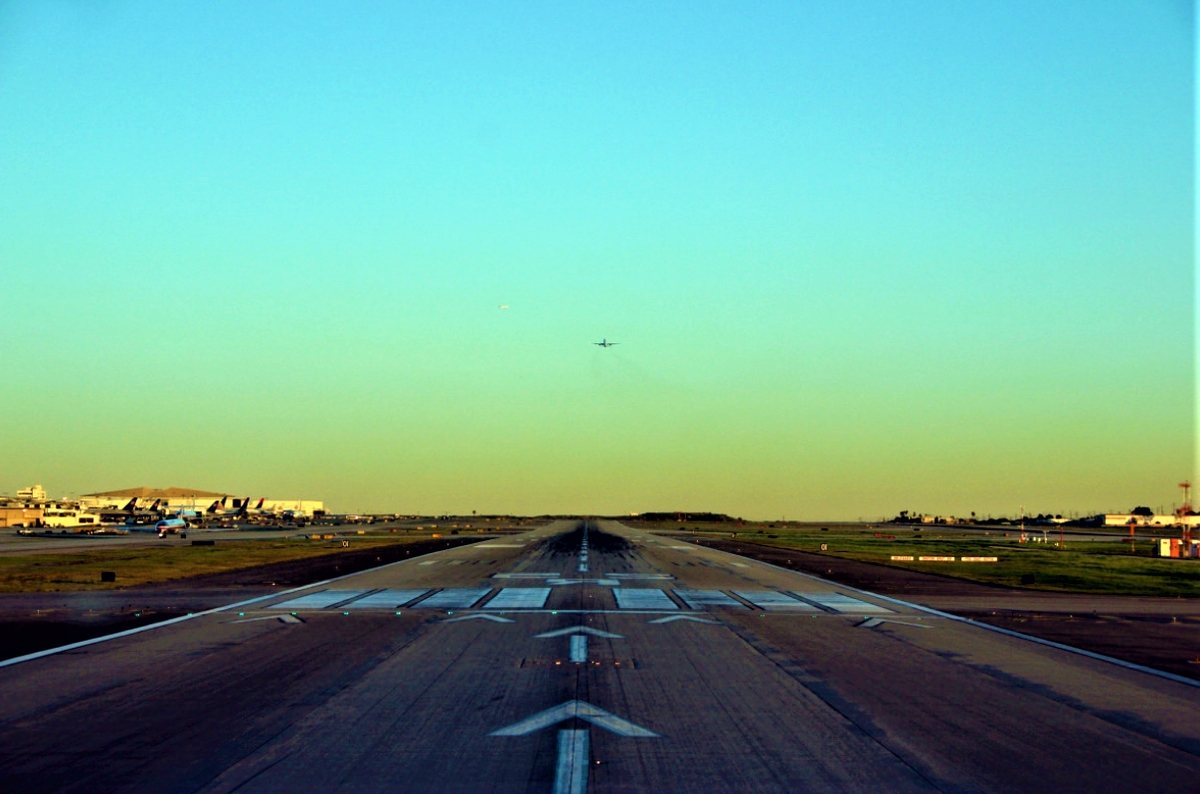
(601, 660)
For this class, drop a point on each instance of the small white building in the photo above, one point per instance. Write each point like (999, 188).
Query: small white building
(1157, 520)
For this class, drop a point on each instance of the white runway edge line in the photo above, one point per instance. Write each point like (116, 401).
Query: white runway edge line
(29, 657)
(1038, 640)
(129, 632)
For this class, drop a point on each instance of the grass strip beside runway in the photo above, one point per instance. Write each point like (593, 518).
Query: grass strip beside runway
(1099, 567)
(146, 565)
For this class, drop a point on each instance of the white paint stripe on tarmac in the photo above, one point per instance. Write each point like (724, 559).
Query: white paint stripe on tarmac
(839, 602)
(321, 600)
(570, 773)
(386, 599)
(579, 648)
(643, 598)
(772, 599)
(454, 598)
(699, 599)
(519, 598)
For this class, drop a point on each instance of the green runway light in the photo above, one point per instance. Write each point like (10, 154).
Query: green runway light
(345, 613)
(397, 613)
(241, 614)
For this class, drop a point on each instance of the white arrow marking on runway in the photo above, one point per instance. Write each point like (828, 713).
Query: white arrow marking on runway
(577, 630)
(692, 618)
(575, 709)
(871, 623)
(495, 618)
(281, 618)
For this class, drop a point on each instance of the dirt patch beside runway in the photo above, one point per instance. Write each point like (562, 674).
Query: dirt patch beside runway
(1123, 629)
(31, 622)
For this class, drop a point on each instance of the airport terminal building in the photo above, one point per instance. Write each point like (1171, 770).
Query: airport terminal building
(31, 507)
(173, 499)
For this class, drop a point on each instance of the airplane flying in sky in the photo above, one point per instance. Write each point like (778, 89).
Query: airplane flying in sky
(605, 343)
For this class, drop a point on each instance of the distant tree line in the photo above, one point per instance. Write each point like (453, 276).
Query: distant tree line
(711, 518)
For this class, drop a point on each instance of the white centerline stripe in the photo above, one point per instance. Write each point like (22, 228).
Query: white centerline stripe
(570, 775)
(579, 648)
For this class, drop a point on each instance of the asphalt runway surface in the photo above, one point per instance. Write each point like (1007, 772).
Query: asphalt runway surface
(605, 660)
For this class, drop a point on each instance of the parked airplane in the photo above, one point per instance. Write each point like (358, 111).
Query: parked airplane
(219, 510)
(605, 343)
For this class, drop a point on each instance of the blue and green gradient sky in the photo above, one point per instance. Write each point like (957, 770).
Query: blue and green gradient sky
(861, 257)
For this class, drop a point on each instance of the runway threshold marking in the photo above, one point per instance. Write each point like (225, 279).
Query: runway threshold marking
(388, 599)
(840, 602)
(320, 600)
(643, 598)
(698, 599)
(773, 599)
(519, 598)
(454, 598)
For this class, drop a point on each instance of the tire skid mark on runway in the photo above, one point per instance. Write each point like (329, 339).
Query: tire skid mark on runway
(825, 693)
